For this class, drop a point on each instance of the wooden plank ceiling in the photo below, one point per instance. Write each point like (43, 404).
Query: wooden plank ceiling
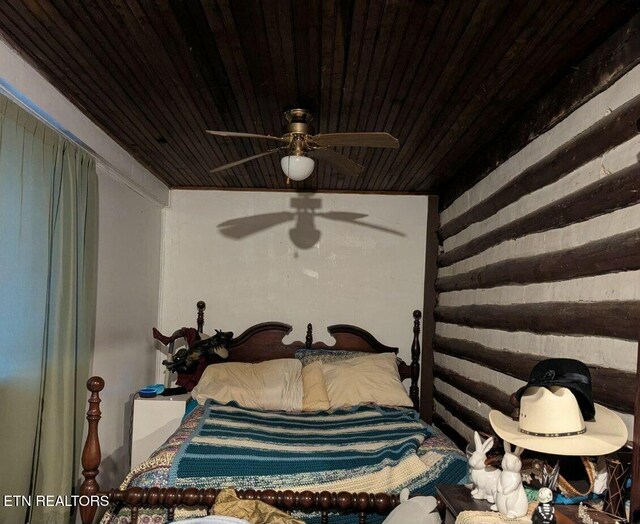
(442, 76)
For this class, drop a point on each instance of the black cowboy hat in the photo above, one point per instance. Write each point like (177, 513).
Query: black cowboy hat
(566, 372)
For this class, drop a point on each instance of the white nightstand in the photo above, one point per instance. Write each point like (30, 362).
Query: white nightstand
(154, 420)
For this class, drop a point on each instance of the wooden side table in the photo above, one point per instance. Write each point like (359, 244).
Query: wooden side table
(456, 498)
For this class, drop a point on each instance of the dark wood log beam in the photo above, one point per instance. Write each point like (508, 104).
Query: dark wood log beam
(414, 389)
(612, 192)
(450, 432)
(615, 319)
(608, 132)
(611, 387)
(615, 57)
(462, 413)
(429, 301)
(482, 392)
(616, 253)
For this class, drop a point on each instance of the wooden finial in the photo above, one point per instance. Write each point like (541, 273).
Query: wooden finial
(308, 341)
(201, 307)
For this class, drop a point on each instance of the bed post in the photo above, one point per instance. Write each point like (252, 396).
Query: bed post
(91, 455)
(201, 307)
(635, 460)
(414, 390)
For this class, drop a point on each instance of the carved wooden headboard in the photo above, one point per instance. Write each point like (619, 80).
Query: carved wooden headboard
(264, 341)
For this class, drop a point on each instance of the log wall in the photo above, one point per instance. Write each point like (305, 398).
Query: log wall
(541, 259)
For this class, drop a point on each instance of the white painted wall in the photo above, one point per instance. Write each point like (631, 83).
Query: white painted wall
(354, 274)
(608, 352)
(129, 262)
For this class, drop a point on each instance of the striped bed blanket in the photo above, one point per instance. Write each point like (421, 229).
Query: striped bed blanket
(365, 448)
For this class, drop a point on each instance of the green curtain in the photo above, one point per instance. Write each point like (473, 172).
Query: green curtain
(48, 259)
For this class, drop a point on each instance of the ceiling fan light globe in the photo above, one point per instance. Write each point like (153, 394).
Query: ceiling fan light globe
(297, 167)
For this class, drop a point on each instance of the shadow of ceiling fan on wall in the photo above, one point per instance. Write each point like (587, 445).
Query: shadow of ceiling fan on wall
(304, 234)
(302, 147)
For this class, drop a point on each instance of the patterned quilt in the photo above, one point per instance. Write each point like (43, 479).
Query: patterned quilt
(365, 448)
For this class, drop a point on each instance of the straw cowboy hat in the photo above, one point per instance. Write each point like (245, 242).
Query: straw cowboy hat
(551, 422)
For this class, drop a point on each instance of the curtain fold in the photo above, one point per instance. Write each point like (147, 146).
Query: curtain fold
(48, 231)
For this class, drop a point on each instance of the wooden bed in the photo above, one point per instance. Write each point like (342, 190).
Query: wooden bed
(258, 343)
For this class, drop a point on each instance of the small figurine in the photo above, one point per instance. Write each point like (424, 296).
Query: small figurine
(213, 349)
(485, 478)
(511, 498)
(417, 510)
(544, 513)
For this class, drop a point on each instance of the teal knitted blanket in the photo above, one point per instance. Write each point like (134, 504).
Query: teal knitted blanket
(365, 448)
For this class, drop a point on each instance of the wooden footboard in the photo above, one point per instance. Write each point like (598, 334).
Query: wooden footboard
(323, 502)
(170, 498)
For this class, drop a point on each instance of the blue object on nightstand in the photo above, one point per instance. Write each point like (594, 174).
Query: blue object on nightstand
(151, 390)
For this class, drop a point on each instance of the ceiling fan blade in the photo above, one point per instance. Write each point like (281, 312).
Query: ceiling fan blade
(247, 159)
(233, 134)
(357, 140)
(337, 160)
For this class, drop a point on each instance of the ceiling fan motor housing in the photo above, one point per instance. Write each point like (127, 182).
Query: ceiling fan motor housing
(298, 129)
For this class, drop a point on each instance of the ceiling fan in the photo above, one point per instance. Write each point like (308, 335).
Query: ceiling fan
(302, 147)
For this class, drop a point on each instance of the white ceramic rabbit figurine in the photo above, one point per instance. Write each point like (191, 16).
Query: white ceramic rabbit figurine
(485, 478)
(511, 499)
(417, 510)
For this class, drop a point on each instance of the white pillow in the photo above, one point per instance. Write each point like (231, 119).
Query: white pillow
(371, 378)
(271, 385)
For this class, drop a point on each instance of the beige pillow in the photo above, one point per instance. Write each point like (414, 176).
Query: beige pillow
(314, 392)
(271, 385)
(371, 378)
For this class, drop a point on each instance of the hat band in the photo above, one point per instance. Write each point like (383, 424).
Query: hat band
(568, 434)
